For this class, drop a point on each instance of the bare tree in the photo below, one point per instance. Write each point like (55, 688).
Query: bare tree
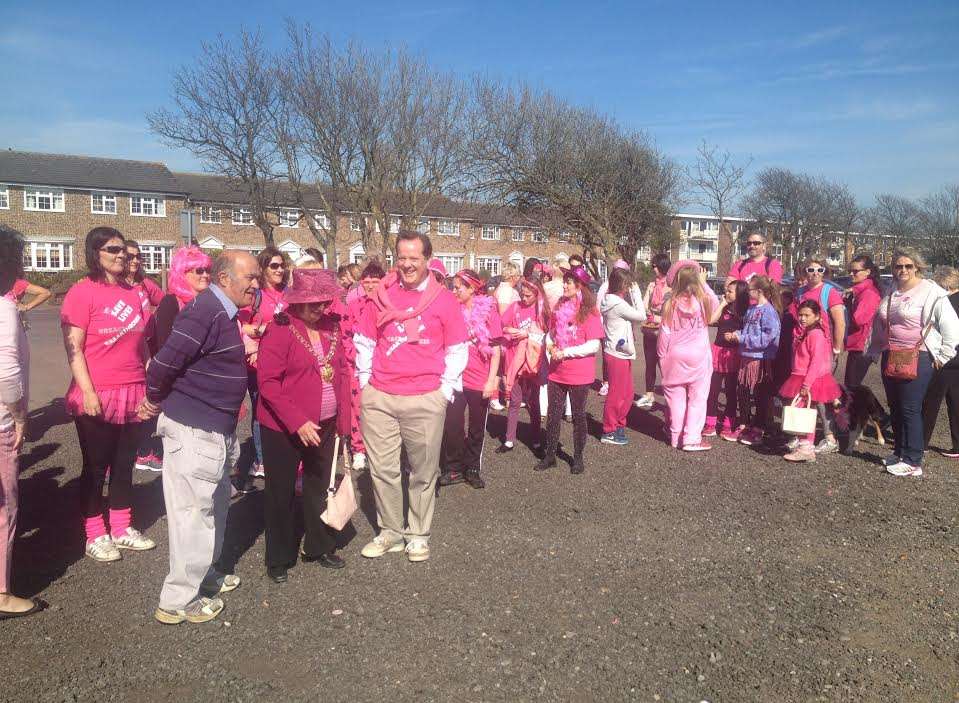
(550, 159)
(224, 108)
(719, 181)
(939, 221)
(896, 218)
(778, 202)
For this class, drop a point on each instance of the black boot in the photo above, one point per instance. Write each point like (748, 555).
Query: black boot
(579, 442)
(547, 462)
(450, 478)
(473, 479)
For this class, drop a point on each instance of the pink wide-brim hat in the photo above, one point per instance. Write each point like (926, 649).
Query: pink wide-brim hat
(681, 264)
(436, 266)
(312, 286)
(621, 264)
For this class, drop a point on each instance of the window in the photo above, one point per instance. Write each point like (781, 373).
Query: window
(289, 218)
(540, 237)
(424, 226)
(210, 215)
(321, 221)
(488, 263)
(565, 236)
(47, 256)
(155, 258)
(702, 225)
(448, 227)
(395, 223)
(491, 232)
(50, 199)
(356, 224)
(684, 225)
(701, 247)
(242, 216)
(103, 203)
(147, 205)
(735, 227)
(452, 262)
(4, 198)
(518, 235)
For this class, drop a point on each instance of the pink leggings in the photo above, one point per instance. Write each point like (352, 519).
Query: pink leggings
(687, 410)
(8, 505)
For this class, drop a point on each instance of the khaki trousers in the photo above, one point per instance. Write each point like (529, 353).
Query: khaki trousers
(389, 424)
(196, 490)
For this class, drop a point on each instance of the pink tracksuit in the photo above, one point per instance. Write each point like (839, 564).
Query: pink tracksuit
(686, 365)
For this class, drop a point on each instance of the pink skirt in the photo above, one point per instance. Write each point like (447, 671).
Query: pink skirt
(725, 359)
(119, 403)
(824, 389)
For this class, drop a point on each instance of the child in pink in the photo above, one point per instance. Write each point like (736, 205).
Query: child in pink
(684, 354)
(811, 379)
(727, 318)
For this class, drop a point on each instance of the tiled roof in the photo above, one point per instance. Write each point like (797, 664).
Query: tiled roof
(67, 171)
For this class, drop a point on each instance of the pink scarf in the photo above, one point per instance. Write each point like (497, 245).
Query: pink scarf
(477, 323)
(390, 313)
(564, 322)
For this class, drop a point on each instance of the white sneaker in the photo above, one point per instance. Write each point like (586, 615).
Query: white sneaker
(604, 389)
(418, 550)
(359, 461)
(793, 444)
(103, 549)
(380, 545)
(258, 471)
(827, 446)
(645, 402)
(133, 539)
(904, 469)
(494, 404)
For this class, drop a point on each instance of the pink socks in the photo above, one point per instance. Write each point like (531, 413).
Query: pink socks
(119, 521)
(95, 527)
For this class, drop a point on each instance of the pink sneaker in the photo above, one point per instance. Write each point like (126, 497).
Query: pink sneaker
(732, 435)
(710, 429)
(701, 447)
(727, 425)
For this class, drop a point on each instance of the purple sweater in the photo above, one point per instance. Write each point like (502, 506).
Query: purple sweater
(199, 374)
(759, 337)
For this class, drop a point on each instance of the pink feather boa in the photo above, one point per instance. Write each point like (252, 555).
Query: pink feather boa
(564, 322)
(477, 323)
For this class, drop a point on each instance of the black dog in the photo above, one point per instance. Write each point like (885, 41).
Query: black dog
(860, 408)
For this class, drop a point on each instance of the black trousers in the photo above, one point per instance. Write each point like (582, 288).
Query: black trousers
(651, 357)
(104, 445)
(463, 443)
(557, 392)
(857, 365)
(722, 381)
(282, 454)
(944, 385)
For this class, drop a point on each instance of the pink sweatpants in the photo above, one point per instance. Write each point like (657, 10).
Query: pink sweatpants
(687, 410)
(619, 373)
(8, 506)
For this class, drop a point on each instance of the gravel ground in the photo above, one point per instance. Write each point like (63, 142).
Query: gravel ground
(657, 575)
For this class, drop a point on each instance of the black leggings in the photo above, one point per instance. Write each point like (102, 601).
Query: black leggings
(857, 365)
(650, 339)
(106, 446)
(282, 454)
(554, 413)
(722, 381)
(463, 444)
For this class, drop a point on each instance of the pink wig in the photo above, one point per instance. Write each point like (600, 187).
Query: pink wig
(185, 259)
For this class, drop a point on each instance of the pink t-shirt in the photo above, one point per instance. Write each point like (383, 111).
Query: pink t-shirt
(747, 268)
(400, 368)
(113, 319)
(578, 370)
(905, 315)
(271, 303)
(150, 294)
(328, 399)
(19, 288)
(825, 321)
(477, 367)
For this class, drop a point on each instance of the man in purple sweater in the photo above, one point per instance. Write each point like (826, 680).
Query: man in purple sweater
(198, 379)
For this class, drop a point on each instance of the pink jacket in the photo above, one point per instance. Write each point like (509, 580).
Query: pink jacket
(812, 356)
(865, 303)
(683, 345)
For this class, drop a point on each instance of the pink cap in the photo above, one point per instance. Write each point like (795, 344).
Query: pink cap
(681, 264)
(620, 264)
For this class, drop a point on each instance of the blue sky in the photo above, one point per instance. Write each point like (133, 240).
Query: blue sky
(866, 93)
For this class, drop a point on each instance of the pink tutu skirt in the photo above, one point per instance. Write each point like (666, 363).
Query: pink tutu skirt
(725, 359)
(119, 403)
(824, 389)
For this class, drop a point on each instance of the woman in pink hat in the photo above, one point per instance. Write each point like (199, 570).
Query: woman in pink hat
(684, 353)
(300, 361)
(575, 332)
(462, 444)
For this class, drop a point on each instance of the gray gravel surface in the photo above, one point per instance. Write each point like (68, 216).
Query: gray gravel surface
(657, 575)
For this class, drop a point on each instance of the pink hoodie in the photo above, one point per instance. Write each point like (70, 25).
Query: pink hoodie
(683, 346)
(812, 356)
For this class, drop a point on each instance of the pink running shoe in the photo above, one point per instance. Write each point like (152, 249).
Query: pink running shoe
(732, 435)
(710, 429)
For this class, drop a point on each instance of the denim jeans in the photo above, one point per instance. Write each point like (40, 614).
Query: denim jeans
(905, 406)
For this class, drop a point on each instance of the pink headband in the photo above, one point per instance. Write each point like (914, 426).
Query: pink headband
(579, 273)
(469, 279)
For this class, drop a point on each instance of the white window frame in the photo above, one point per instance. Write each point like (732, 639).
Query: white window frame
(245, 217)
(64, 250)
(55, 195)
(518, 235)
(565, 236)
(106, 198)
(494, 269)
(153, 254)
(321, 220)
(395, 223)
(157, 205)
(448, 228)
(287, 216)
(540, 236)
(454, 263)
(356, 224)
(424, 226)
(491, 233)
(4, 197)
(210, 215)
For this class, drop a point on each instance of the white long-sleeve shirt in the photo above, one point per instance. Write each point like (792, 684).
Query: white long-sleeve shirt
(14, 361)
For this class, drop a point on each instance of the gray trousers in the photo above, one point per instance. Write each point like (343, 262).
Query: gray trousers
(196, 490)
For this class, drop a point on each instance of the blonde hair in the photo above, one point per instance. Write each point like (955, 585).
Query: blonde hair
(947, 277)
(687, 282)
(910, 253)
(510, 269)
(770, 289)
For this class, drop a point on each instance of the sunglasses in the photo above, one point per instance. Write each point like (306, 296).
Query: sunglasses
(853, 272)
(201, 271)
(904, 267)
(754, 244)
(114, 249)
(137, 256)
(815, 269)
(276, 267)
